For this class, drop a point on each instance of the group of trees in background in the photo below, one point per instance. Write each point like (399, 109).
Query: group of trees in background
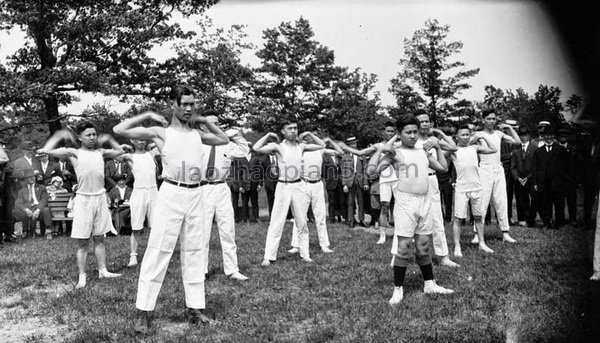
(105, 47)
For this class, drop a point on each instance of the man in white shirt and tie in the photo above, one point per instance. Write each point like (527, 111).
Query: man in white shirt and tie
(216, 202)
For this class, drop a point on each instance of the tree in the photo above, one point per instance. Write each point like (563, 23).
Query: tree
(352, 111)
(298, 79)
(211, 64)
(426, 65)
(296, 72)
(83, 45)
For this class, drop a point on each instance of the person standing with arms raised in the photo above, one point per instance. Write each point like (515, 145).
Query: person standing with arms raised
(491, 172)
(290, 189)
(91, 217)
(178, 207)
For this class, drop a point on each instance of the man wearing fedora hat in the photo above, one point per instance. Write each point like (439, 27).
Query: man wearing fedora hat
(550, 166)
(31, 205)
(354, 183)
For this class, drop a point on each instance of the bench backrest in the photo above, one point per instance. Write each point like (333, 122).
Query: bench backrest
(59, 203)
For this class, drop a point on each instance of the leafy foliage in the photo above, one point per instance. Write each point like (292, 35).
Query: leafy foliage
(426, 64)
(91, 46)
(298, 79)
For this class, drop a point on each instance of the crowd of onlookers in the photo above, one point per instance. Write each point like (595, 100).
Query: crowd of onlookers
(544, 176)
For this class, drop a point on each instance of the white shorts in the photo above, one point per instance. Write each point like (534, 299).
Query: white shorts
(461, 204)
(386, 191)
(141, 203)
(91, 216)
(412, 214)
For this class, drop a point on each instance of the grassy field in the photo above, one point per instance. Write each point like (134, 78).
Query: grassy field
(533, 291)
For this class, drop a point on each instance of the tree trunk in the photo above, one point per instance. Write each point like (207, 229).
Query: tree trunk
(52, 115)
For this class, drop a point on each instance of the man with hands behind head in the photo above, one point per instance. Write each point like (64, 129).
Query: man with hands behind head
(178, 208)
(290, 189)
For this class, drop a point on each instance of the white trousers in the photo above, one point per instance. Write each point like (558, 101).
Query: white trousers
(141, 202)
(286, 195)
(493, 192)
(177, 213)
(440, 244)
(316, 195)
(217, 205)
(597, 240)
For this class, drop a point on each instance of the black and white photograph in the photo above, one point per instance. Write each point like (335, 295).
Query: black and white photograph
(299, 171)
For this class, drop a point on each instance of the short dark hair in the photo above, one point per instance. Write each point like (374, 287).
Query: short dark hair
(178, 91)
(463, 127)
(420, 112)
(487, 112)
(405, 120)
(389, 123)
(285, 121)
(84, 126)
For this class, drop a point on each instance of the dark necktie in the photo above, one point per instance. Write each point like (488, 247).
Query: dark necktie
(210, 170)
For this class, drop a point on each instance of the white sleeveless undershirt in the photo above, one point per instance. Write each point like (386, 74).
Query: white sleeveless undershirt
(289, 159)
(312, 162)
(90, 172)
(144, 170)
(489, 160)
(467, 171)
(182, 155)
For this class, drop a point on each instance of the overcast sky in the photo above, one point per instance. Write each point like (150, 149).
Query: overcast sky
(512, 42)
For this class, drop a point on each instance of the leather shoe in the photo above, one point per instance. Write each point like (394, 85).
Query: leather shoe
(196, 316)
(142, 322)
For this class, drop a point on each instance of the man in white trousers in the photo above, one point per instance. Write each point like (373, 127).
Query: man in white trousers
(290, 189)
(143, 196)
(178, 205)
(426, 140)
(312, 161)
(493, 181)
(217, 197)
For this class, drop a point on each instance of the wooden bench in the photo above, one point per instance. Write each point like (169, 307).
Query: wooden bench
(58, 207)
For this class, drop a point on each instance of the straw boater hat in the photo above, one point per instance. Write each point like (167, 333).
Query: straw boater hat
(351, 140)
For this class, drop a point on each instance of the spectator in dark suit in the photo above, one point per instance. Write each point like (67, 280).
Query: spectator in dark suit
(256, 165)
(67, 172)
(16, 168)
(31, 205)
(114, 168)
(506, 150)
(521, 166)
(119, 198)
(333, 185)
(270, 179)
(354, 183)
(571, 179)
(549, 163)
(48, 170)
(238, 181)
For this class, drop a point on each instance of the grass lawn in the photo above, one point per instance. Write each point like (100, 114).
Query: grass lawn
(533, 291)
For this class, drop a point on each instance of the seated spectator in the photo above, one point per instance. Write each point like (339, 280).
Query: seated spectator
(56, 186)
(113, 169)
(119, 204)
(48, 170)
(31, 205)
